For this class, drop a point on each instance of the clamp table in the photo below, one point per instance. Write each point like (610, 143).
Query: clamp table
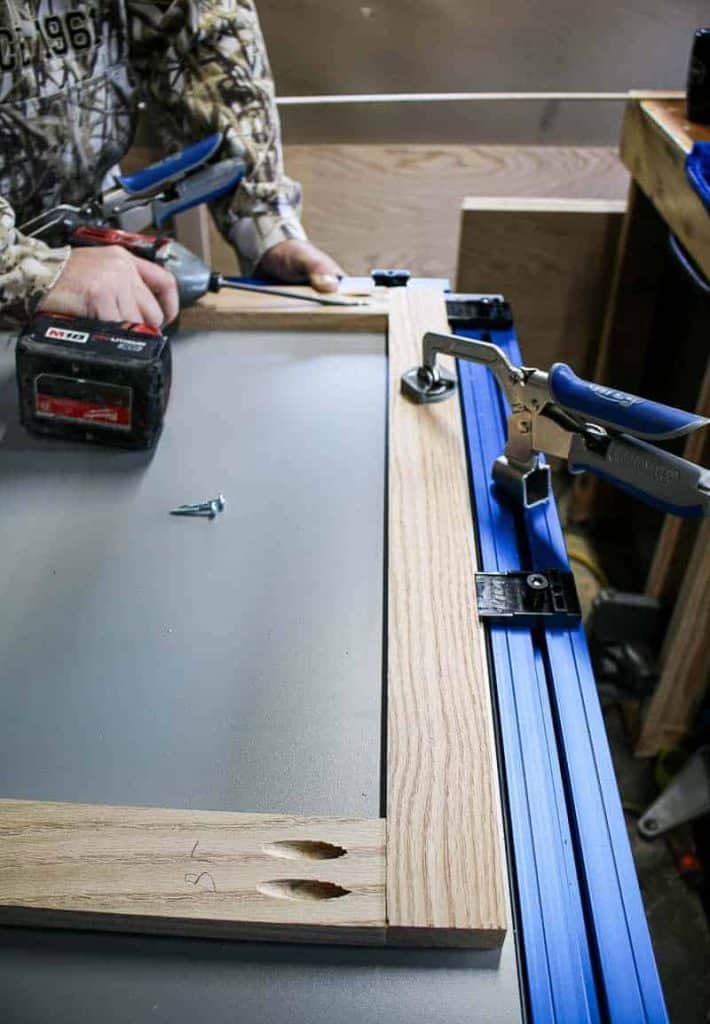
(577, 947)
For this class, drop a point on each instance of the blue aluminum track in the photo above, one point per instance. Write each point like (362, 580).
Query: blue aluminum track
(585, 950)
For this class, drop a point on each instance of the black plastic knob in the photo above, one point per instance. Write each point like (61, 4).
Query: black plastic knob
(698, 90)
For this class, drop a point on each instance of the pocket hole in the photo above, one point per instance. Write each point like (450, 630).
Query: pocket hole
(301, 889)
(304, 849)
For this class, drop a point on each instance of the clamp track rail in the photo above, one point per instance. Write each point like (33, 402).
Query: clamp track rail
(585, 949)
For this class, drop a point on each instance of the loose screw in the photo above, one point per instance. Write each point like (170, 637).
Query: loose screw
(210, 508)
(209, 511)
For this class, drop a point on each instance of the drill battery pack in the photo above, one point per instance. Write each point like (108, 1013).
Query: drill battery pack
(89, 380)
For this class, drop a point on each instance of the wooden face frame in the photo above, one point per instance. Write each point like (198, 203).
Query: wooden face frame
(432, 873)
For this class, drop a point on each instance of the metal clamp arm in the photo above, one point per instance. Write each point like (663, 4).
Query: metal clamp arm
(428, 383)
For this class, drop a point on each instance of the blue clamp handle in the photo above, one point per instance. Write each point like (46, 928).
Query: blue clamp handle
(172, 167)
(618, 410)
(697, 170)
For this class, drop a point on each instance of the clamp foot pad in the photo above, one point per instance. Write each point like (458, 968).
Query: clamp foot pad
(419, 385)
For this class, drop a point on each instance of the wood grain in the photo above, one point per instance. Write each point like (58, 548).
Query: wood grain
(399, 205)
(672, 551)
(192, 872)
(446, 882)
(249, 311)
(685, 658)
(655, 142)
(619, 358)
(553, 260)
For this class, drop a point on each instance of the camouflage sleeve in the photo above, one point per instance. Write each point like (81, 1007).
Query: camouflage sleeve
(28, 269)
(205, 68)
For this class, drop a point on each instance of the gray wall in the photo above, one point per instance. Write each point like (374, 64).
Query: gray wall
(457, 45)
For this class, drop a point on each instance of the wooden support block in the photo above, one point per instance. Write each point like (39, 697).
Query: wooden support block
(445, 864)
(553, 260)
(655, 141)
(619, 358)
(671, 557)
(685, 659)
(192, 872)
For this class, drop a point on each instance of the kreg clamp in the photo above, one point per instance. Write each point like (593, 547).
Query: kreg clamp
(596, 428)
(150, 196)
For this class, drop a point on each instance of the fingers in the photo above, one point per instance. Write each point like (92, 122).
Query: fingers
(148, 309)
(112, 284)
(324, 282)
(105, 307)
(162, 285)
(295, 261)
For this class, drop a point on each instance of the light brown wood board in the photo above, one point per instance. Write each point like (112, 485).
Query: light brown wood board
(322, 879)
(677, 536)
(553, 260)
(246, 311)
(399, 205)
(685, 659)
(443, 822)
(679, 577)
(655, 141)
(618, 359)
(192, 872)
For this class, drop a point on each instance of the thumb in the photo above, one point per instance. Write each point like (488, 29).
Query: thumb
(324, 274)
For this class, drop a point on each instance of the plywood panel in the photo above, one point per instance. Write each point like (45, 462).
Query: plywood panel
(445, 865)
(553, 259)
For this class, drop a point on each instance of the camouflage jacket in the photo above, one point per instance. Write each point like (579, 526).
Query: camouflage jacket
(72, 73)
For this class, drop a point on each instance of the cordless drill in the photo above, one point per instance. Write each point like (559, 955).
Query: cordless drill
(106, 383)
(109, 383)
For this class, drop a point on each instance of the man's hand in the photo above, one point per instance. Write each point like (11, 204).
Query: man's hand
(109, 283)
(296, 262)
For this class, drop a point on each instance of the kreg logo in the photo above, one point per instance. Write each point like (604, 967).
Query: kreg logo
(620, 397)
(61, 334)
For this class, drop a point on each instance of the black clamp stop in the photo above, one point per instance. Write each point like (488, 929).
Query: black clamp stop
(526, 598)
(390, 278)
(474, 312)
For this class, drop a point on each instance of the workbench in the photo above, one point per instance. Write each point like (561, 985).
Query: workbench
(236, 665)
(656, 139)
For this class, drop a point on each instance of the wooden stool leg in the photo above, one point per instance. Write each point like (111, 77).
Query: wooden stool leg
(627, 328)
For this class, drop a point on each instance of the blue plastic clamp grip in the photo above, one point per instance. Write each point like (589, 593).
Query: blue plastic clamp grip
(697, 170)
(171, 167)
(172, 209)
(637, 416)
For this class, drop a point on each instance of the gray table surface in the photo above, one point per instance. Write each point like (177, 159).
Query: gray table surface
(234, 664)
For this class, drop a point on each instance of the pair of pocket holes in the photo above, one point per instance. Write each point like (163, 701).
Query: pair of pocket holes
(303, 888)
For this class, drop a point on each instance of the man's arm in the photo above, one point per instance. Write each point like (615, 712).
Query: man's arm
(206, 70)
(28, 269)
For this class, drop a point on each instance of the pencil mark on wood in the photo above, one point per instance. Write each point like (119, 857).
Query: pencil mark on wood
(195, 879)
